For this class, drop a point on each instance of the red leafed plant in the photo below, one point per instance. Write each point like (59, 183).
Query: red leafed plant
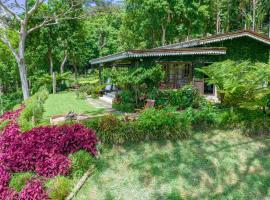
(4, 190)
(43, 150)
(12, 115)
(33, 191)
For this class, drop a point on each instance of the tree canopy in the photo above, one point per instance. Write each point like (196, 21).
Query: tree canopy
(105, 27)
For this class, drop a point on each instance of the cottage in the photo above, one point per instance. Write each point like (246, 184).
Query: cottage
(179, 60)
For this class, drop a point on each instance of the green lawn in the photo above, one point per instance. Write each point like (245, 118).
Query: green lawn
(65, 102)
(216, 165)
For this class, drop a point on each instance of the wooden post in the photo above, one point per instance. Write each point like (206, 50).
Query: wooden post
(99, 73)
(54, 82)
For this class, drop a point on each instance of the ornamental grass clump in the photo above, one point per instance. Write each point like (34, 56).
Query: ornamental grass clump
(43, 150)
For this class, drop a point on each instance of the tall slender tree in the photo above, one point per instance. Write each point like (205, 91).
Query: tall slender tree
(19, 22)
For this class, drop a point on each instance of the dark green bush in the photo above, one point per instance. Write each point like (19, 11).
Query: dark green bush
(33, 111)
(182, 98)
(201, 118)
(19, 180)
(152, 124)
(161, 124)
(137, 85)
(125, 101)
(124, 107)
(9, 100)
(250, 122)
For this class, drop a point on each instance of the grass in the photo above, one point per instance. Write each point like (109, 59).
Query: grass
(65, 102)
(214, 165)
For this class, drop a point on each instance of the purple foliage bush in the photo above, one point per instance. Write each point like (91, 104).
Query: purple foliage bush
(12, 115)
(57, 164)
(4, 190)
(43, 150)
(4, 177)
(33, 191)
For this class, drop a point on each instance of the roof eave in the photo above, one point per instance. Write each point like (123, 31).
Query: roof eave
(129, 54)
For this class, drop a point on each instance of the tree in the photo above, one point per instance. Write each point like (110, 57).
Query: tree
(20, 23)
(244, 83)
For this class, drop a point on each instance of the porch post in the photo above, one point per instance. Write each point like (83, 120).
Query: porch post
(215, 91)
(99, 73)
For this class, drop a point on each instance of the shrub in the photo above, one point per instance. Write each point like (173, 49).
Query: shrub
(59, 187)
(109, 123)
(33, 190)
(124, 107)
(7, 193)
(80, 163)
(33, 111)
(43, 150)
(240, 83)
(19, 180)
(250, 122)
(109, 129)
(9, 100)
(152, 124)
(4, 177)
(90, 89)
(53, 166)
(203, 117)
(161, 124)
(182, 98)
(136, 85)
(38, 149)
(125, 101)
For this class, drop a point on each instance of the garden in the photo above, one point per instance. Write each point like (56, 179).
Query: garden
(41, 162)
(182, 132)
(134, 99)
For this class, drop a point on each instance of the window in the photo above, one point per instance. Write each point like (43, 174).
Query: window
(177, 74)
(186, 70)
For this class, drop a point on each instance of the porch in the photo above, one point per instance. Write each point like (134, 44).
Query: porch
(179, 74)
(179, 65)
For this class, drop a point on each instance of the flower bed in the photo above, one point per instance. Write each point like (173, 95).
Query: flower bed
(43, 150)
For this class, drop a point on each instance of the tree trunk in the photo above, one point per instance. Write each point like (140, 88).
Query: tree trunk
(269, 25)
(21, 61)
(50, 60)
(254, 15)
(228, 16)
(218, 23)
(163, 39)
(75, 67)
(54, 82)
(22, 70)
(62, 67)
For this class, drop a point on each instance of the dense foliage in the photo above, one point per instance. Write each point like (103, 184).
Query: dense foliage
(137, 85)
(42, 150)
(168, 123)
(33, 110)
(240, 84)
(151, 125)
(182, 98)
(112, 27)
